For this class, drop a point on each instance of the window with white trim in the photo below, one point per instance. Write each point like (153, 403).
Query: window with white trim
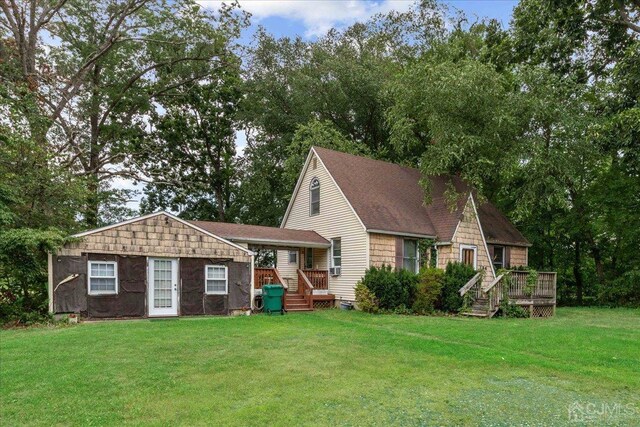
(498, 257)
(103, 277)
(336, 252)
(216, 280)
(469, 255)
(314, 197)
(293, 257)
(410, 255)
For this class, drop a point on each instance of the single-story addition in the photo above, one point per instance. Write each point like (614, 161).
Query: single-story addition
(160, 265)
(347, 213)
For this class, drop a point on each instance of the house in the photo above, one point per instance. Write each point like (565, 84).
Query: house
(347, 213)
(159, 265)
(373, 213)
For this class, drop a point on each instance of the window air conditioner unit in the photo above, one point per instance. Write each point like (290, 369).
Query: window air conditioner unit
(335, 271)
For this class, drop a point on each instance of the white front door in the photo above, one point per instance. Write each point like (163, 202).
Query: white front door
(163, 287)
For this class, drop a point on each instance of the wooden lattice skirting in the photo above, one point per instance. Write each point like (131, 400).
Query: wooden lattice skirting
(320, 304)
(542, 311)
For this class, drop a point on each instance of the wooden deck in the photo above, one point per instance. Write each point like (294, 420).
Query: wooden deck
(312, 292)
(538, 298)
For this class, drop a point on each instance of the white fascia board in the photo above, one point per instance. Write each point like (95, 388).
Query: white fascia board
(486, 248)
(170, 215)
(296, 189)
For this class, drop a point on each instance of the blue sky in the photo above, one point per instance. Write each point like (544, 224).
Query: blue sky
(311, 18)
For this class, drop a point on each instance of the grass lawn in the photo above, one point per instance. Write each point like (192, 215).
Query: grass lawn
(326, 367)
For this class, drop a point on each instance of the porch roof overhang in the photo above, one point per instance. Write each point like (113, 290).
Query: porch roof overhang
(267, 237)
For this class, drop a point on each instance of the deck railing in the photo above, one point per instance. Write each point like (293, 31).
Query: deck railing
(318, 278)
(545, 286)
(264, 276)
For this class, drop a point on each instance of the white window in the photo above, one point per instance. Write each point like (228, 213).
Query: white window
(103, 277)
(216, 278)
(498, 257)
(469, 255)
(410, 255)
(336, 252)
(293, 257)
(314, 197)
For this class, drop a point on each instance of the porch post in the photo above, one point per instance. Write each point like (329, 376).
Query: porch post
(253, 279)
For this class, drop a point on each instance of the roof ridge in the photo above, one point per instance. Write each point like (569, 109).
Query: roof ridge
(316, 147)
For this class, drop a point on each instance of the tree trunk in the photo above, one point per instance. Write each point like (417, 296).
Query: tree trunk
(577, 271)
(93, 166)
(597, 259)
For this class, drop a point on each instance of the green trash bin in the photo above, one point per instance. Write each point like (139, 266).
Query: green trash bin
(272, 298)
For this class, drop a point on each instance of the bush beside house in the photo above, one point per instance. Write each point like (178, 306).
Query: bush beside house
(385, 289)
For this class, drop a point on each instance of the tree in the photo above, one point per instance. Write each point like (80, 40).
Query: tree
(338, 80)
(190, 156)
(97, 82)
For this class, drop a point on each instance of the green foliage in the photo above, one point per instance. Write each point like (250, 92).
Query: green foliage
(456, 275)
(37, 202)
(23, 272)
(191, 154)
(622, 292)
(392, 288)
(365, 299)
(428, 290)
(319, 134)
(511, 310)
(403, 292)
(459, 115)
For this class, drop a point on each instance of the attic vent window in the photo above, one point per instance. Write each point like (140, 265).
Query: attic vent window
(314, 163)
(314, 197)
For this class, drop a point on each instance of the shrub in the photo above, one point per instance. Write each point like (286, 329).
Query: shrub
(408, 282)
(623, 291)
(428, 290)
(455, 277)
(23, 274)
(509, 309)
(365, 299)
(391, 288)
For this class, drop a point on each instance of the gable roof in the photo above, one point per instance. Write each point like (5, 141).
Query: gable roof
(167, 214)
(259, 234)
(389, 198)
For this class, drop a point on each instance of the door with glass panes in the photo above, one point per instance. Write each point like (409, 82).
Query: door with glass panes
(163, 287)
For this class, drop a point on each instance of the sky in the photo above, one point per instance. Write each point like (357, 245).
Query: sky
(312, 18)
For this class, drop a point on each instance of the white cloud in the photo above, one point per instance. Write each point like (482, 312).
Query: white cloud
(317, 16)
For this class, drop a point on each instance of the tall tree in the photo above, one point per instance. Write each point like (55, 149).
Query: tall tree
(96, 74)
(190, 155)
(338, 79)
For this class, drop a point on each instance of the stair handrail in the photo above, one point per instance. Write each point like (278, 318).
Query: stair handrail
(280, 280)
(470, 284)
(308, 286)
(494, 297)
(490, 286)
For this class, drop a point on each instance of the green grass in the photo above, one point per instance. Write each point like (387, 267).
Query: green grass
(326, 367)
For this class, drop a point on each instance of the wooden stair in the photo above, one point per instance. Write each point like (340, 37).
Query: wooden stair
(297, 302)
(480, 308)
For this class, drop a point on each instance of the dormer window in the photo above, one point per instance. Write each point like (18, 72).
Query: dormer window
(314, 197)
